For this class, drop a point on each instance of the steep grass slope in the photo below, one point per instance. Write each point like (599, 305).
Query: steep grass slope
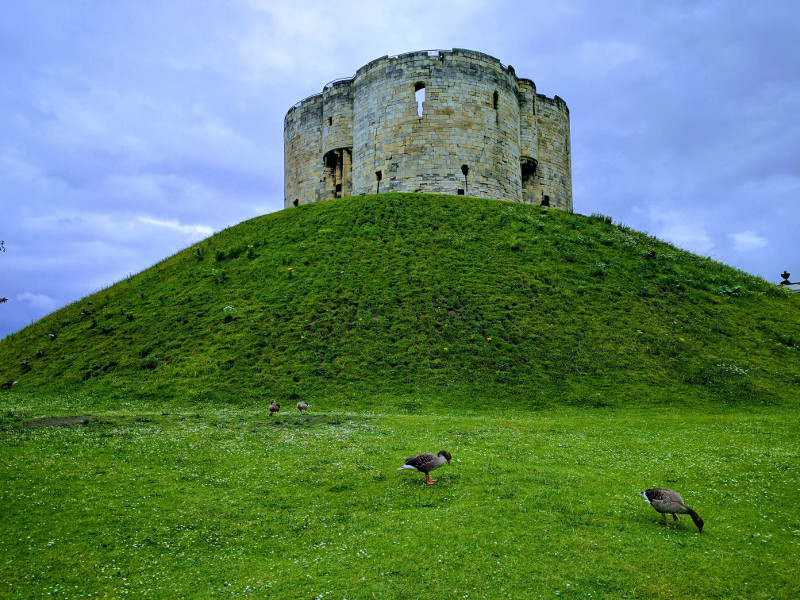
(405, 298)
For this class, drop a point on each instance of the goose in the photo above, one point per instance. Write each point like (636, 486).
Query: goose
(669, 502)
(426, 463)
(302, 407)
(274, 407)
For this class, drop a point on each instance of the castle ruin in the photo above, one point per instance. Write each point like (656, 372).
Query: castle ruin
(452, 122)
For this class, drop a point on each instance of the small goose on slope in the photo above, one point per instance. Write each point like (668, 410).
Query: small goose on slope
(426, 463)
(302, 407)
(668, 502)
(274, 407)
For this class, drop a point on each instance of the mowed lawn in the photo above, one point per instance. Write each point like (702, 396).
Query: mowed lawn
(202, 503)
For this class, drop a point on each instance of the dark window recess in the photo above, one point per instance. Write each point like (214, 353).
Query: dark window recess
(378, 176)
(296, 202)
(330, 120)
(460, 192)
(495, 98)
(546, 201)
(335, 175)
(528, 168)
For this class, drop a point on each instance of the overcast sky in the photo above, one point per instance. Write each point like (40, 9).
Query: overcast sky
(132, 129)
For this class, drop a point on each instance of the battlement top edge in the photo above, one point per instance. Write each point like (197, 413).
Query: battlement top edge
(312, 99)
(433, 54)
(337, 83)
(426, 54)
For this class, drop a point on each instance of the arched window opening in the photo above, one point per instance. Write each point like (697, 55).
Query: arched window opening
(378, 176)
(419, 96)
(465, 172)
(546, 201)
(296, 202)
(495, 99)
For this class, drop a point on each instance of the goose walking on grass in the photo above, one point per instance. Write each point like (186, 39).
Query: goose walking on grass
(274, 407)
(302, 407)
(427, 462)
(668, 502)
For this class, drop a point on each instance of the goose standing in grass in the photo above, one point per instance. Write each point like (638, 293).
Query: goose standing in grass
(302, 407)
(274, 407)
(668, 502)
(427, 462)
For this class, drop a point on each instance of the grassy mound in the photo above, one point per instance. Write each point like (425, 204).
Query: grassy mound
(406, 297)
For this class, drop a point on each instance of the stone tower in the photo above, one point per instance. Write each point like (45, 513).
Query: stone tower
(452, 122)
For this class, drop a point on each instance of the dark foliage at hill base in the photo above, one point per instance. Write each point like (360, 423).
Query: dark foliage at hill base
(425, 299)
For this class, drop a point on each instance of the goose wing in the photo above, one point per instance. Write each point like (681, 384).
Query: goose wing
(422, 462)
(664, 500)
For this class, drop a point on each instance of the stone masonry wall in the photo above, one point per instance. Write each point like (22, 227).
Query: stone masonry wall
(302, 160)
(554, 175)
(480, 131)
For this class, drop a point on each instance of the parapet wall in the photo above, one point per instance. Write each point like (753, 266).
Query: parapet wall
(454, 122)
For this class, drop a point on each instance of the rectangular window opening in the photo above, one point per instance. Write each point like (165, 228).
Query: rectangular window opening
(419, 96)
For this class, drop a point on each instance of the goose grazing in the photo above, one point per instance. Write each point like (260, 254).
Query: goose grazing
(426, 463)
(274, 407)
(302, 407)
(668, 502)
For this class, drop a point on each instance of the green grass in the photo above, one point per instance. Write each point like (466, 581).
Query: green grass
(567, 362)
(230, 503)
(364, 297)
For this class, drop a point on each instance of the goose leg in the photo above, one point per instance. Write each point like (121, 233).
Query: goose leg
(665, 519)
(428, 479)
(675, 517)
